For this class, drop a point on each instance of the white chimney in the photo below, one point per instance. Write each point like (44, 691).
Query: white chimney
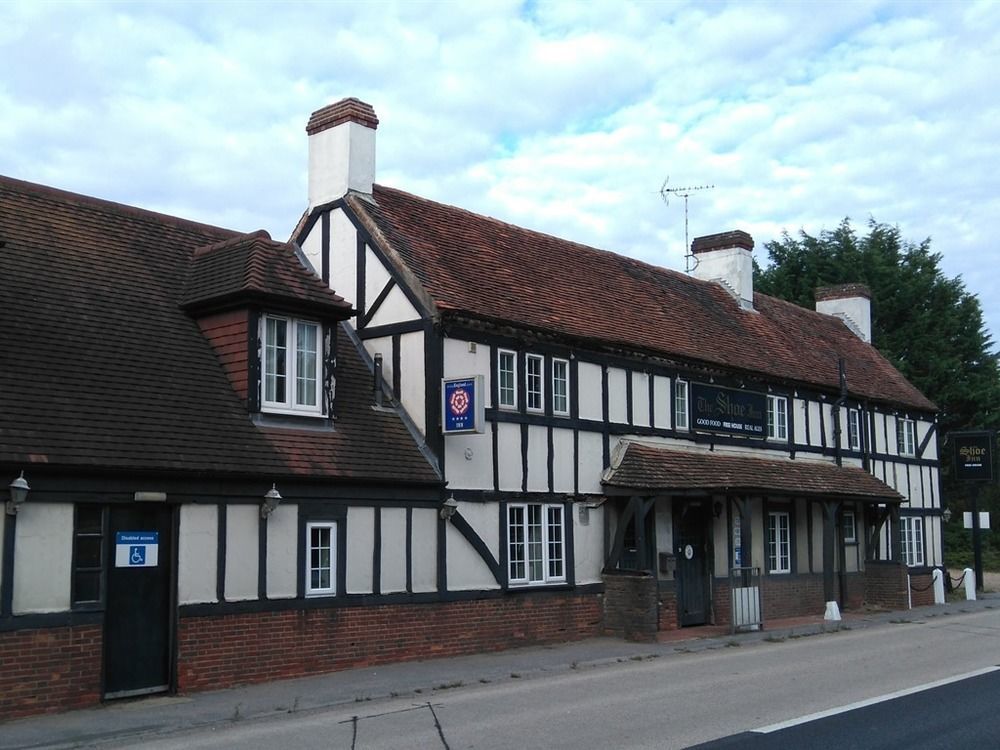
(726, 259)
(341, 150)
(852, 303)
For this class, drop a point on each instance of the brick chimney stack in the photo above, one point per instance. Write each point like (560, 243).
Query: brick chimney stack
(341, 150)
(852, 303)
(726, 259)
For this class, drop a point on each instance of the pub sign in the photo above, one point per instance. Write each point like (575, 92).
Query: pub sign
(731, 411)
(462, 405)
(973, 455)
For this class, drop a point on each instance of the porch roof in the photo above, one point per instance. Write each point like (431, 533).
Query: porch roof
(652, 468)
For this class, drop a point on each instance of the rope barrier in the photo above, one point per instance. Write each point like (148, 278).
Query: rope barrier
(956, 582)
(925, 588)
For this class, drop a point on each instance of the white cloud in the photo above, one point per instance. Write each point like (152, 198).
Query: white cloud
(562, 116)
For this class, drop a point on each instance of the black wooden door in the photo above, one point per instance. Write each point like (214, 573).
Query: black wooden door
(137, 622)
(691, 550)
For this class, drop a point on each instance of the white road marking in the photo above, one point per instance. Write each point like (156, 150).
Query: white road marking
(871, 701)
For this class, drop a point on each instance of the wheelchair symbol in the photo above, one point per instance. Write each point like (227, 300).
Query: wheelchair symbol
(137, 555)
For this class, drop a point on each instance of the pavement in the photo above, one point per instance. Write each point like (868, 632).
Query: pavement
(141, 719)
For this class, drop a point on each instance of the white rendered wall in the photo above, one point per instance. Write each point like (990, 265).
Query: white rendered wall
(799, 406)
(197, 549)
(483, 518)
(588, 546)
(662, 403)
(538, 459)
(468, 460)
(312, 248)
(589, 387)
(396, 308)
(412, 377)
(509, 456)
(360, 542)
(343, 256)
(591, 462)
(376, 276)
(640, 399)
(815, 432)
(43, 545)
(617, 396)
(424, 562)
(563, 460)
(282, 552)
(664, 521)
(393, 550)
(758, 530)
(241, 551)
(466, 569)
(460, 362)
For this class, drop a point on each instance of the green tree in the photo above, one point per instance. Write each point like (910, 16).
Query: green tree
(928, 325)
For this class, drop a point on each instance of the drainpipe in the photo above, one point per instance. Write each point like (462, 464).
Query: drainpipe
(837, 406)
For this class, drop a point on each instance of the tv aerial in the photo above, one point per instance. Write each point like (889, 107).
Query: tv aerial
(685, 193)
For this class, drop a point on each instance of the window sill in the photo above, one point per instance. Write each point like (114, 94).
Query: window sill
(316, 422)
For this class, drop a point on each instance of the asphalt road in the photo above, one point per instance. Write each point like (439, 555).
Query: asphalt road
(684, 699)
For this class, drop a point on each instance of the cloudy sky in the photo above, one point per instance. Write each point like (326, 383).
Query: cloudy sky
(561, 116)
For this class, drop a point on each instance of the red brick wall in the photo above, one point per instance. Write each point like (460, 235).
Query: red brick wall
(216, 652)
(668, 605)
(631, 605)
(53, 669)
(885, 584)
(227, 333)
(922, 589)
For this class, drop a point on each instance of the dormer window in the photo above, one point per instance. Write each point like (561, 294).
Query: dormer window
(292, 367)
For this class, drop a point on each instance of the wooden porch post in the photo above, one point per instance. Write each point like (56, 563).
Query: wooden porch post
(830, 508)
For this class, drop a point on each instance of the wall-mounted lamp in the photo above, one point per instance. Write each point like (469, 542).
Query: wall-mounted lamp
(272, 498)
(946, 515)
(18, 494)
(717, 509)
(448, 508)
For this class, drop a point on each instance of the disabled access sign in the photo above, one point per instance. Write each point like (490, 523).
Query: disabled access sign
(137, 549)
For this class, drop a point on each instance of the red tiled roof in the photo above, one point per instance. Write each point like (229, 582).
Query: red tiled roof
(484, 268)
(101, 368)
(651, 468)
(254, 267)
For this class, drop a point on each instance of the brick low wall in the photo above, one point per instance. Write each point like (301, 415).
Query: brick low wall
(631, 605)
(54, 669)
(222, 651)
(922, 589)
(885, 585)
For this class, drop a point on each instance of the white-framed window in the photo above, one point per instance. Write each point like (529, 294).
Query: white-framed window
(777, 418)
(535, 543)
(507, 379)
(560, 387)
(906, 436)
(911, 538)
(293, 366)
(779, 545)
(680, 405)
(321, 558)
(849, 523)
(534, 367)
(853, 429)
